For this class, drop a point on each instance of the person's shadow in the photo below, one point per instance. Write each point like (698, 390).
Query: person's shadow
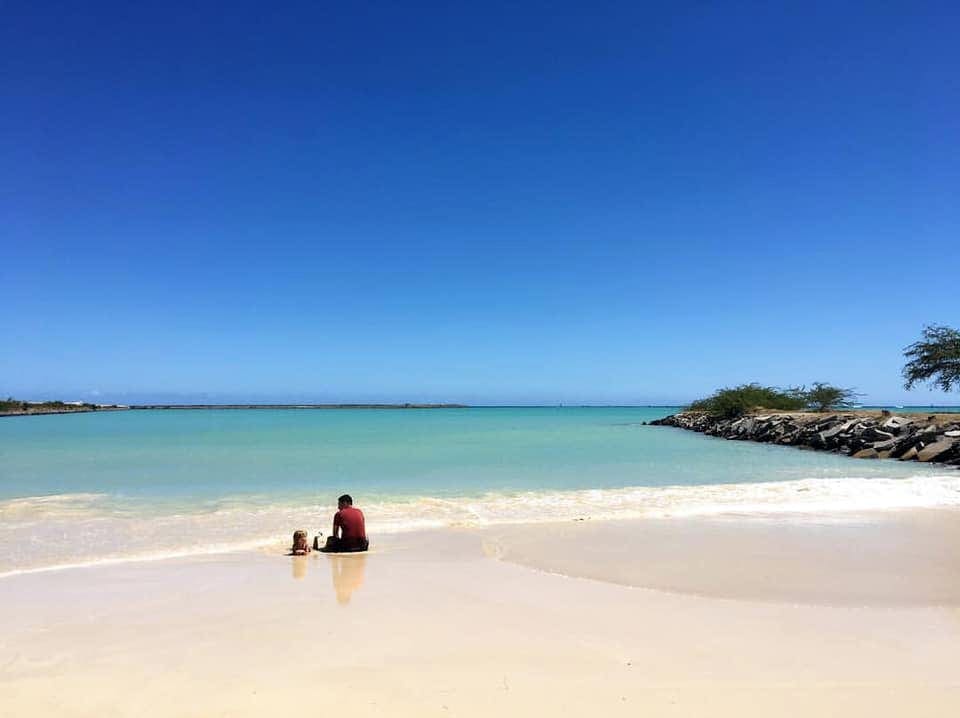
(347, 573)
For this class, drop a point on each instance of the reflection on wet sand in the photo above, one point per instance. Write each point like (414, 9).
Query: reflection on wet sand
(299, 567)
(347, 573)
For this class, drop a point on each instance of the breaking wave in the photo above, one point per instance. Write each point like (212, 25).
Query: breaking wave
(76, 530)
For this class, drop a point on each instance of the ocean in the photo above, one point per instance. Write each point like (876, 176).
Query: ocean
(87, 489)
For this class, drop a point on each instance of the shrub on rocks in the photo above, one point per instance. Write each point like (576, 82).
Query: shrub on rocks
(733, 402)
(823, 397)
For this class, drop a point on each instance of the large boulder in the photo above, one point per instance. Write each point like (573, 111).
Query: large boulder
(910, 454)
(952, 456)
(905, 442)
(867, 454)
(928, 433)
(830, 438)
(839, 429)
(873, 434)
(896, 424)
(935, 450)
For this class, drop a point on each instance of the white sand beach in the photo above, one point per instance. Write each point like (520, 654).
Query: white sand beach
(855, 615)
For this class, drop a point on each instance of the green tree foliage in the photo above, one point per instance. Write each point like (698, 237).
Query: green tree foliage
(934, 359)
(739, 400)
(823, 397)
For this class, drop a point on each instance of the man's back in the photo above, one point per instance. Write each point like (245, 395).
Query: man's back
(351, 523)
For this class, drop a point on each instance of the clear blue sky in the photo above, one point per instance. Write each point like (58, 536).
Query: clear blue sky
(493, 203)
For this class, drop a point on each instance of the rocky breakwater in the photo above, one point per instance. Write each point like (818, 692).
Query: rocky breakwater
(862, 435)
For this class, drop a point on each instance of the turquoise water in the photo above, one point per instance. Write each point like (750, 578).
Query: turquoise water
(153, 483)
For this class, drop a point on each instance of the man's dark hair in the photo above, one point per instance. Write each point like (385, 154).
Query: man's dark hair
(346, 499)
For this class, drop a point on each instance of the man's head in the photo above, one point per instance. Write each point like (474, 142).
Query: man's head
(344, 501)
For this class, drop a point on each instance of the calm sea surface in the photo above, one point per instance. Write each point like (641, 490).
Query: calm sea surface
(89, 488)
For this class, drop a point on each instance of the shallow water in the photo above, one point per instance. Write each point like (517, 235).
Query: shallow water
(86, 488)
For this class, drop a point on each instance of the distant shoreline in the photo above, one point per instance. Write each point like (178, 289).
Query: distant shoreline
(137, 407)
(41, 410)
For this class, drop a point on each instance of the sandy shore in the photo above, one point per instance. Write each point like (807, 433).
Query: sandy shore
(897, 558)
(850, 615)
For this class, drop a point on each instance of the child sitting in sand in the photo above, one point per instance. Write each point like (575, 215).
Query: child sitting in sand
(300, 545)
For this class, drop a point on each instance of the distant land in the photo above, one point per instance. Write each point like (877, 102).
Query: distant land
(298, 406)
(16, 407)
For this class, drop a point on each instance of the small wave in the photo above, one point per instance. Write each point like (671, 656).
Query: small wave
(33, 507)
(81, 530)
(802, 495)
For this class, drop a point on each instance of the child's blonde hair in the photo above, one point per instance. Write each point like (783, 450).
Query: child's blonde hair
(300, 544)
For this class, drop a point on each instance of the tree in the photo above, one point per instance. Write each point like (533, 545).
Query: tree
(821, 397)
(934, 359)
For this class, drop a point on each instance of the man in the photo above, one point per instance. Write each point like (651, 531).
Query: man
(349, 532)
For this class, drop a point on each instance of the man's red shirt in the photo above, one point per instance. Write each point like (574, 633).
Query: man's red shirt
(350, 521)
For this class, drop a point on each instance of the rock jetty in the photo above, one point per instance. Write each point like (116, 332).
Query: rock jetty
(862, 435)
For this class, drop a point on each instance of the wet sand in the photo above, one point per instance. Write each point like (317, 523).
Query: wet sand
(434, 624)
(894, 558)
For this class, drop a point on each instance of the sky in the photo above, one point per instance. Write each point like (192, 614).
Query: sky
(500, 203)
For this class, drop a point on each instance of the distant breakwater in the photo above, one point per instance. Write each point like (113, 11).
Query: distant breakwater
(298, 406)
(862, 435)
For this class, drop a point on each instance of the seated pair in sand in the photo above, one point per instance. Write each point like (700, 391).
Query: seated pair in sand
(349, 532)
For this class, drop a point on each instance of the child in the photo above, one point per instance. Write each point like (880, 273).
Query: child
(300, 545)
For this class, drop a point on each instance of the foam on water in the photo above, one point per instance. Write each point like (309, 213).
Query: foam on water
(70, 531)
